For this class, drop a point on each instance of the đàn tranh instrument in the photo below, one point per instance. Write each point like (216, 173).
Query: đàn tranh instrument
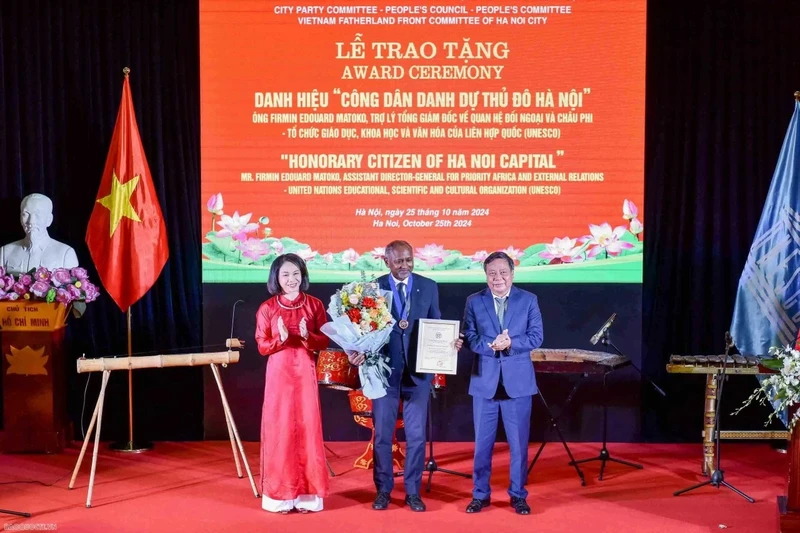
(574, 361)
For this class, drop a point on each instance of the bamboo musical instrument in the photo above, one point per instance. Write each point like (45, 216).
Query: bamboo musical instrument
(157, 361)
(108, 364)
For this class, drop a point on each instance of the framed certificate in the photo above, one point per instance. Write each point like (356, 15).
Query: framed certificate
(436, 353)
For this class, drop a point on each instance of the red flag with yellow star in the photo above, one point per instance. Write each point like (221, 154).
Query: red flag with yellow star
(126, 235)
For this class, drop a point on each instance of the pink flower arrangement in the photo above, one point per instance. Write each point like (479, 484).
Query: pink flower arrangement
(60, 285)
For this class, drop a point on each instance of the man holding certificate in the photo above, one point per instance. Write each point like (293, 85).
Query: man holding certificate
(413, 298)
(503, 324)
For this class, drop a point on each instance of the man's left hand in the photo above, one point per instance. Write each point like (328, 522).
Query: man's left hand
(459, 342)
(502, 342)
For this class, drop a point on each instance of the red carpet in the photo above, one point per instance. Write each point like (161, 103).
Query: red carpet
(191, 487)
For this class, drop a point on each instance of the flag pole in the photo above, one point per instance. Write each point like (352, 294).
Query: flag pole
(130, 379)
(131, 445)
(125, 198)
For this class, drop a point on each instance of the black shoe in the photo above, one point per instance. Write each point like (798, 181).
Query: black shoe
(415, 502)
(476, 505)
(520, 506)
(381, 501)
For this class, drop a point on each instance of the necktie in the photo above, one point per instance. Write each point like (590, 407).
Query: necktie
(401, 287)
(500, 309)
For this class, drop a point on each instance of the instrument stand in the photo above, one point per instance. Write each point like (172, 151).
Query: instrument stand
(15, 513)
(717, 477)
(233, 432)
(333, 453)
(430, 465)
(605, 456)
(328, 450)
(554, 425)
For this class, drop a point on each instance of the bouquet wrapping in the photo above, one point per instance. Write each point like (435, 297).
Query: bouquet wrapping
(362, 323)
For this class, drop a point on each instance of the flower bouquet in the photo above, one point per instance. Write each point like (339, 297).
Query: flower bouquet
(62, 285)
(782, 390)
(362, 323)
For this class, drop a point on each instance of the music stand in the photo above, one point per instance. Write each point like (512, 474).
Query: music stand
(604, 456)
(430, 465)
(15, 513)
(554, 425)
(717, 477)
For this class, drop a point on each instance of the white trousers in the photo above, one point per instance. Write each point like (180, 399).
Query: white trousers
(304, 502)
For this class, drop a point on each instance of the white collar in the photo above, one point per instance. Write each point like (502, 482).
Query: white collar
(504, 296)
(398, 282)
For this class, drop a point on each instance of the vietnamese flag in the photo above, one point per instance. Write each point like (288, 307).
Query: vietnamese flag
(126, 236)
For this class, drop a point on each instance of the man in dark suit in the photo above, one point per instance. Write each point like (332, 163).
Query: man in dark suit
(502, 325)
(414, 297)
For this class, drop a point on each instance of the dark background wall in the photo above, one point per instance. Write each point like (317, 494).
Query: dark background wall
(720, 78)
(60, 88)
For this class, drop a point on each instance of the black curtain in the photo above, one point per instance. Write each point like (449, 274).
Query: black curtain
(60, 87)
(720, 79)
(720, 82)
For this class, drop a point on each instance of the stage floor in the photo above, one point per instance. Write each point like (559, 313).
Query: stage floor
(193, 486)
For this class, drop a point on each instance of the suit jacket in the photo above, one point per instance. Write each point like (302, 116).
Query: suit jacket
(524, 324)
(402, 346)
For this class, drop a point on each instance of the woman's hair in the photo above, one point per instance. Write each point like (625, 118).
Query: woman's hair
(273, 286)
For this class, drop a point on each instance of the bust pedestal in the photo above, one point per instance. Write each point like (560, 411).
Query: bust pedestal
(34, 377)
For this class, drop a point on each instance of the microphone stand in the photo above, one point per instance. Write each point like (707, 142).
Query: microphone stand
(606, 342)
(717, 477)
(430, 464)
(604, 455)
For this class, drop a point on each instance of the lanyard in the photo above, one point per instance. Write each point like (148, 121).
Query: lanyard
(403, 313)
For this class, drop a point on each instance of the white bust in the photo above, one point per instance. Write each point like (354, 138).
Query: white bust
(37, 248)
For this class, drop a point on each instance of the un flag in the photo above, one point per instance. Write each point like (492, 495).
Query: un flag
(767, 310)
